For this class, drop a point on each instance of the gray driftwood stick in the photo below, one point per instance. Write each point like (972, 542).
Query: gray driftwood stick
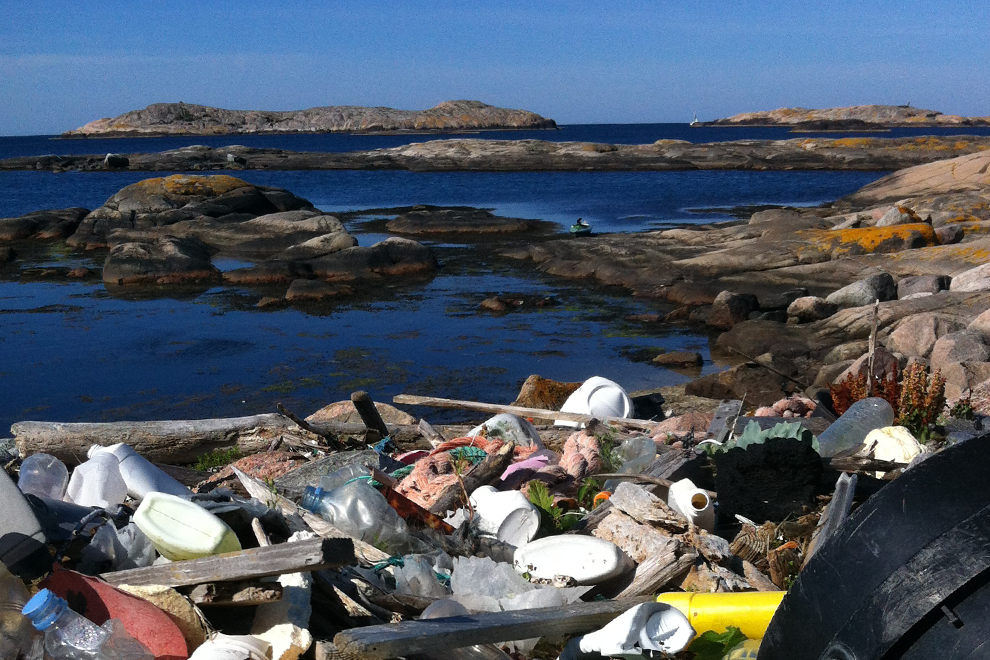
(175, 441)
(302, 556)
(366, 553)
(235, 594)
(369, 413)
(651, 575)
(408, 637)
(436, 402)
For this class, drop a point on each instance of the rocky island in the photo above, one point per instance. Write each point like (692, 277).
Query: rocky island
(479, 155)
(190, 119)
(856, 117)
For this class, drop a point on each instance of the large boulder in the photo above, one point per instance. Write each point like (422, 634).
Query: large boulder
(950, 234)
(730, 308)
(869, 240)
(963, 174)
(774, 215)
(981, 324)
(55, 223)
(780, 300)
(316, 290)
(885, 366)
(963, 376)
(974, 279)
(810, 308)
(164, 201)
(434, 220)
(168, 260)
(960, 346)
(915, 336)
(754, 382)
(913, 284)
(320, 246)
(898, 215)
(864, 292)
(544, 393)
(393, 256)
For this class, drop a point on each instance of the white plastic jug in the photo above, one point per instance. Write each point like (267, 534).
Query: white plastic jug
(140, 474)
(23, 546)
(97, 482)
(599, 397)
(693, 503)
(508, 515)
(181, 529)
(233, 647)
(43, 475)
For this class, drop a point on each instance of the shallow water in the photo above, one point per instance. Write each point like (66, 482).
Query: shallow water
(71, 351)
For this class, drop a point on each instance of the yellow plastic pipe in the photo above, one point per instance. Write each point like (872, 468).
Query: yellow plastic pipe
(750, 611)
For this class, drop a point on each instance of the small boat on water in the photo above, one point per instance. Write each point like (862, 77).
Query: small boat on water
(694, 122)
(580, 228)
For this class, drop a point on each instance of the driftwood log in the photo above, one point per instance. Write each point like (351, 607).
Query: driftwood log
(182, 441)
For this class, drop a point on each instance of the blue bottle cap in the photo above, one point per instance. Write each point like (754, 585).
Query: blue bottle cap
(44, 608)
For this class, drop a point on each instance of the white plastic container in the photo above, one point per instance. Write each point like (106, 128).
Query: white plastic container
(510, 427)
(140, 474)
(97, 482)
(599, 397)
(647, 627)
(181, 529)
(233, 647)
(508, 515)
(23, 546)
(693, 503)
(891, 443)
(43, 475)
(587, 559)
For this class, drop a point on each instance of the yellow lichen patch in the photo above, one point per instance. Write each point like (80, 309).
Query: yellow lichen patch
(853, 142)
(184, 184)
(965, 217)
(961, 144)
(866, 240)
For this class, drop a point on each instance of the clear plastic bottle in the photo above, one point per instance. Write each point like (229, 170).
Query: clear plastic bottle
(850, 430)
(23, 545)
(71, 636)
(141, 475)
(18, 638)
(97, 482)
(43, 475)
(361, 511)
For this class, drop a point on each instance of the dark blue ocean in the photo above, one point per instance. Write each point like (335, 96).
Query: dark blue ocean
(70, 351)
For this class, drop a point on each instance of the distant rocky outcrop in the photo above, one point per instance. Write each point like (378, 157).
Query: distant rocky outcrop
(190, 119)
(851, 117)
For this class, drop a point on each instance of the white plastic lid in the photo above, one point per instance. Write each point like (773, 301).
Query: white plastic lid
(599, 397)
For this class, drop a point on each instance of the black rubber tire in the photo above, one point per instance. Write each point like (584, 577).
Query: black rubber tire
(908, 571)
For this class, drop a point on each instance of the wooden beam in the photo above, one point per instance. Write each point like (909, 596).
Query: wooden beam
(368, 412)
(313, 555)
(431, 635)
(235, 594)
(724, 420)
(436, 402)
(651, 575)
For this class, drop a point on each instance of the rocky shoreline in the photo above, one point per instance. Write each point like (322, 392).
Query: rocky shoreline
(790, 290)
(851, 117)
(173, 119)
(478, 155)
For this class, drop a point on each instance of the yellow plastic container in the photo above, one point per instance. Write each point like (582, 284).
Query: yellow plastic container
(750, 611)
(181, 529)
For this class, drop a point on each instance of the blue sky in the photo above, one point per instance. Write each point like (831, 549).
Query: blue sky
(65, 63)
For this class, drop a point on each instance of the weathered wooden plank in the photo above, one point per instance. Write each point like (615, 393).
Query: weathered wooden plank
(313, 555)
(368, 412)
(366, 553)
(646, 507)
(651, 575)
(235, 594)
(724, 420)
(486, 472)
(430, 635)
(436, 402)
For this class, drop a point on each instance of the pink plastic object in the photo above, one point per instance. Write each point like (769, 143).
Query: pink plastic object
(98, 601)
(534, 463)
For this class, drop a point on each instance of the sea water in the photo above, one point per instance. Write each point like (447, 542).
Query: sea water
(71, 351)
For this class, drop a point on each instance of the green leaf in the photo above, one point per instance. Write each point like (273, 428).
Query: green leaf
(711, 645)
(753, 435)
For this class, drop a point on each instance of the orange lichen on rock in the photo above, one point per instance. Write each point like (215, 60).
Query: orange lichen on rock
(852, 142)
(866, 240)
(184, 184)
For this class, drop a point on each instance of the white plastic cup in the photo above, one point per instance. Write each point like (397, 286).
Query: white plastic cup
(181, 529)
(141, 475)
(97, 482)
(43, 475)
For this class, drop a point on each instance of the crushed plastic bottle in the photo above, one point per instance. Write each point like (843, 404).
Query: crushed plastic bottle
(71, 636)
(43, 475)
(850, 430)
(97, 482)
(141, 475)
